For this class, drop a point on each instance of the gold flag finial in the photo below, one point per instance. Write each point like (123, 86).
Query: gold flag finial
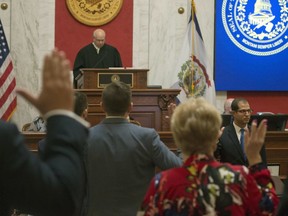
(193, 8)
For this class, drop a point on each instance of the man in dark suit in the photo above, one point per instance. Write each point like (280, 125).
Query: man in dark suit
(122, 157)
(229, 147)
(54, 185)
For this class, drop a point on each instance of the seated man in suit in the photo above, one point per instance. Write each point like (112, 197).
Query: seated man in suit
(56, 184)
(230, 147)
(122, 157)
(81, 104)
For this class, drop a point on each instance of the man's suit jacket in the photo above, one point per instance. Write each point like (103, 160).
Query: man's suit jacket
(54, 185)
(229, 149)
(121, 163)
(283, 206)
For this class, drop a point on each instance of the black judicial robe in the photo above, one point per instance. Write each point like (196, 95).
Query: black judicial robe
(87, 57)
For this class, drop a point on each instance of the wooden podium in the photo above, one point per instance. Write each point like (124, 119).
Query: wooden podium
(150, 106)
(98, 78)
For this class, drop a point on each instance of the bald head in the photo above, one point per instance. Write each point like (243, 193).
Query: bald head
(99, 37)
(227, 106)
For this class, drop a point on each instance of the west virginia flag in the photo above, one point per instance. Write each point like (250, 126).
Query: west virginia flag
(195, 77)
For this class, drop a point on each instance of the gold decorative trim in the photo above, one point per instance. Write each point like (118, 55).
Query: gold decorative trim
(94, 12)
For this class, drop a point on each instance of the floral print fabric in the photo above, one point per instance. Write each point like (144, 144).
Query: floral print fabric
(203, 186)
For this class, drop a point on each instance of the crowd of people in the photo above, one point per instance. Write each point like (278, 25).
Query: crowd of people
(109, 169)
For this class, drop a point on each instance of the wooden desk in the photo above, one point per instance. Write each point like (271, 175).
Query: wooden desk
(32, 139)
(276, 146)
(277, 150)
(149, 106)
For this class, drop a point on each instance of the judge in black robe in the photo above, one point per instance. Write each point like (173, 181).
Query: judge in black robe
(98, 54)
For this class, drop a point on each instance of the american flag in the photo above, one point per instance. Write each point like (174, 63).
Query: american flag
(8, 98)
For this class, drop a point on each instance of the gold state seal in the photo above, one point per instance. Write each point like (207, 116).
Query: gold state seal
(94, 12)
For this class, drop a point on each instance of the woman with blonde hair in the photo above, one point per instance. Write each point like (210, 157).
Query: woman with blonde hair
(204, 186)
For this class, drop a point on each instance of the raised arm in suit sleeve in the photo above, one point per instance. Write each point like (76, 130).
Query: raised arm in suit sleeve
(162, 156)
(52, 186)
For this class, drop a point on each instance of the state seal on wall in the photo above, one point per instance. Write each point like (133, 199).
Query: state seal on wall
(94, 12)
(258, 27)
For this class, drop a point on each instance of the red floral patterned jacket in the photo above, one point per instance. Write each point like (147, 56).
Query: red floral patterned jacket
(203, 186)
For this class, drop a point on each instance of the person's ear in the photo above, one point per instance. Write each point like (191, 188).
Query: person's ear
(102, 106)
(220, 132)
(130, 107)
(85, 114)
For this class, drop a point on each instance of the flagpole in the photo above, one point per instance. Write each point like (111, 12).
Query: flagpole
(192, 67)
(192, 44)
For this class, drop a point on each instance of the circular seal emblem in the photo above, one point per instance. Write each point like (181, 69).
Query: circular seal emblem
(115, 78)
(258, 27)
(94, 12)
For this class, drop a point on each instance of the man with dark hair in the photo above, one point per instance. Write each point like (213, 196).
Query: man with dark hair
(230, 147)
(122, 157)
(81, 104)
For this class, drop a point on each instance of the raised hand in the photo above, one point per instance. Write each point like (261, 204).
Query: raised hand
(57, 89)
(254, 140)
